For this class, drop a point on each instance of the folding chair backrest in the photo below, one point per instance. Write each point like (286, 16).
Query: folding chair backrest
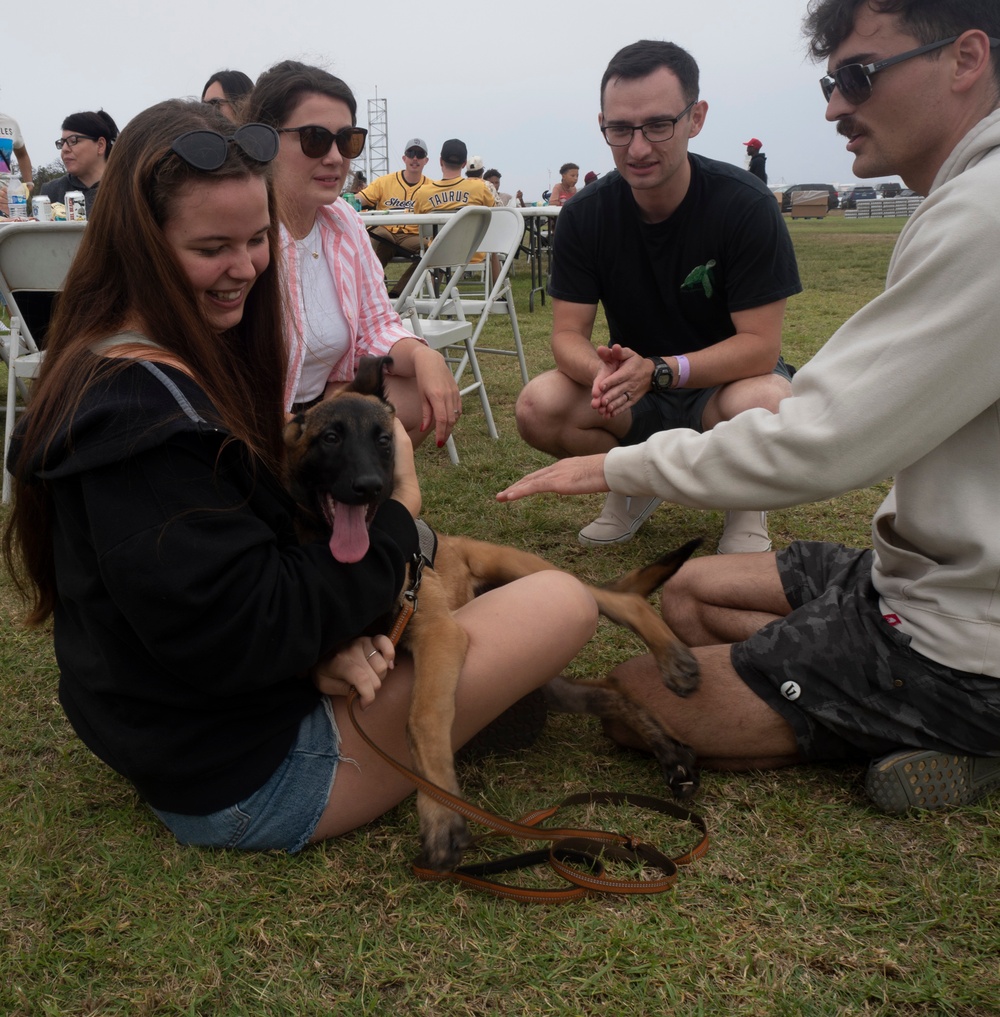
(34, 260)
(453, 248)
(505, 233)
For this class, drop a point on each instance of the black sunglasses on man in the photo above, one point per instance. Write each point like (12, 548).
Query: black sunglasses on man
(854, 81)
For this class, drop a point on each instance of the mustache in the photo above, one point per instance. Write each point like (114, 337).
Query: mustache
(848, 127)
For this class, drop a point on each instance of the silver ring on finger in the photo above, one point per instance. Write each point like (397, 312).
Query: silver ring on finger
(372, 654)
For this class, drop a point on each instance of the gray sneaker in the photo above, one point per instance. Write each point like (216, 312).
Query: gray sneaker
(620, 520)
(929, 779)
(744, 532)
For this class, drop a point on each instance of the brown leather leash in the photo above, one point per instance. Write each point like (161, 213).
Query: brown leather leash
(575, 854)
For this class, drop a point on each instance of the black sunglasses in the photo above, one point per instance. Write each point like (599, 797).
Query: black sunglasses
(415, 153)
(316, 141)
(207, 150)
(855, 80)
(72, 140)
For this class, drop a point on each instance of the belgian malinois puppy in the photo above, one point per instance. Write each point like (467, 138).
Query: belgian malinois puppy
(340, 468)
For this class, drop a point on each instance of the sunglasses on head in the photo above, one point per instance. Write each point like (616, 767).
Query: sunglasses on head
(72, 140)
(854, 81)
(316, 142)
(207, 150)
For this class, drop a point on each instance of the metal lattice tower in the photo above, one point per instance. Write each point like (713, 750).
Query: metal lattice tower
(377, 149)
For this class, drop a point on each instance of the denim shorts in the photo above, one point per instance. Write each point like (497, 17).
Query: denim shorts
(281, 815)
(847, 679)
(680, 407)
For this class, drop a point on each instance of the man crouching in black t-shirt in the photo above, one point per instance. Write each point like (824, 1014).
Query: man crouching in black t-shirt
(692, 263)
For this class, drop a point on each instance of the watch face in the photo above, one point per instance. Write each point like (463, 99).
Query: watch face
(663, 377)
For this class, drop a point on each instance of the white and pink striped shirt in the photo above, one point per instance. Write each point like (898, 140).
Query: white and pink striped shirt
(374, 326)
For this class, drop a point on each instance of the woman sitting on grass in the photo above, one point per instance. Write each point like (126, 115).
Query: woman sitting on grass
(204, 654)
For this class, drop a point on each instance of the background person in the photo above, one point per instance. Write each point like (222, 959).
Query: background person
(396, 192)
(11, 145)
(86, 142)
(338, 309)
(692, 263)
(890, 655)
(758, 161)
(226, 88)
(492, 177)
(226, 649)
(453, 191)
(565, 188)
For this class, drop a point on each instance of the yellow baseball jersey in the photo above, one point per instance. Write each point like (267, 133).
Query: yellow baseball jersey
(394, 193)
(450, 195)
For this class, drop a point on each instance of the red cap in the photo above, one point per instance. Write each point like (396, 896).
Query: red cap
(753, 143)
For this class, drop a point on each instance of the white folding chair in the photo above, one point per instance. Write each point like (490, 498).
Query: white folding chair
(503, 238)
(440, 322)
(34, 259)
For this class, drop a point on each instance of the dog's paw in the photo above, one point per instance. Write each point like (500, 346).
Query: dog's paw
(679, 766)
(679, 671)
(682, 780)
(443, 838)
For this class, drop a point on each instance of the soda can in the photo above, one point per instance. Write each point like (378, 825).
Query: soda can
(76, 206)
(41, 208)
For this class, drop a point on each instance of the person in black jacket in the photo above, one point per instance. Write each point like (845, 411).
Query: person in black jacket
(203, 652)
(84, 147)
(758, 161)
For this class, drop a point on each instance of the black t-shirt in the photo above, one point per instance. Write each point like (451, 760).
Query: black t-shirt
(671, 287)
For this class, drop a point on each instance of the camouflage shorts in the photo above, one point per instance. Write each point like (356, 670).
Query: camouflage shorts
(846, 680)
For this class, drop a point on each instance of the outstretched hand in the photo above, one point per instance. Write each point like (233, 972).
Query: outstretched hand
(577, 475)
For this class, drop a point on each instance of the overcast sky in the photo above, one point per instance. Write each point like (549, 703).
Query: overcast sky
(518, 81)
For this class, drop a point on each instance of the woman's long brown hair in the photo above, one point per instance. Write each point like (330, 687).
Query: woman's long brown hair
(124, 273)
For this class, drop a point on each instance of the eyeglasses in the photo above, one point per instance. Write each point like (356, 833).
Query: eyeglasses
(73, 140)
(207, 150)
(415, 153)
(316, 142)
(855, 80)
(217, 103)
(655, 131)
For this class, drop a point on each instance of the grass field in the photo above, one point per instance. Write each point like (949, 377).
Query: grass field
(808, 902)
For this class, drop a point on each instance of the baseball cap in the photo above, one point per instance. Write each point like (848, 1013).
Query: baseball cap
(454, 152)
(475, 163)
(416, 143)
(753, 143)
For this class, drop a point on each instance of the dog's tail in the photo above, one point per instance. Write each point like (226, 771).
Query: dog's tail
(651, 577)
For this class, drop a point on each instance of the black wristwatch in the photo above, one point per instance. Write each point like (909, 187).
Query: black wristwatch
(663, 375)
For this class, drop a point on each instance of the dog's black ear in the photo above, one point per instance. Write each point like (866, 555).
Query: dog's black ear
(293, 429)
(370, 379)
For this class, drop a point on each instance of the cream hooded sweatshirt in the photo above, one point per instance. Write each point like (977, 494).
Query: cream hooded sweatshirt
(908, 387)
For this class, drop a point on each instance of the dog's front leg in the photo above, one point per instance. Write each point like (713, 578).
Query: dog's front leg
(439, 645)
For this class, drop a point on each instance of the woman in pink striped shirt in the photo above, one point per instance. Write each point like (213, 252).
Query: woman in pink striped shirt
(337, 307)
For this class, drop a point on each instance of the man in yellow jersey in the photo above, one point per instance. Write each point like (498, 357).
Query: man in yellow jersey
(395, 192)
(453, 191)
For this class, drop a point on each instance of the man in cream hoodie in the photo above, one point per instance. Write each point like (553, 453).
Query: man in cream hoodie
(889, 655)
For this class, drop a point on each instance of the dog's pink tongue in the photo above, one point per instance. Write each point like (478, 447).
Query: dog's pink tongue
(349, 539)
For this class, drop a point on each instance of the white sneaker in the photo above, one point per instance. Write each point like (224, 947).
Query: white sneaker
(744, 532)
(621, 518)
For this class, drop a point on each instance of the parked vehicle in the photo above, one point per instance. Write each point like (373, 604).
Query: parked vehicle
(856, 194)
(908, 192)
(890, 190)
(786, 194)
